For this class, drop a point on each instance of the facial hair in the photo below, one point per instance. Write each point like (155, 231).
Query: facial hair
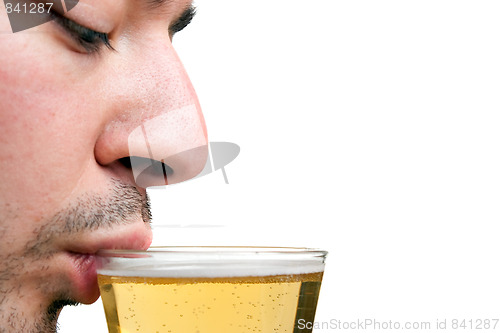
(89, 213)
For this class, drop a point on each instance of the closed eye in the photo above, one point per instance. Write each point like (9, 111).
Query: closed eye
(92, 41)
(183, 21)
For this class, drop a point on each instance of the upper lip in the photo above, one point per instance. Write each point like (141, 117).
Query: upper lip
(130, 236)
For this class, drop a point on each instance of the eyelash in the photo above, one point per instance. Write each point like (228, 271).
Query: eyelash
(183, 21)
(92, 41)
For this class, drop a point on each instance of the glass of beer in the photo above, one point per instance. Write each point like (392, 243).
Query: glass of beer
(210, 289)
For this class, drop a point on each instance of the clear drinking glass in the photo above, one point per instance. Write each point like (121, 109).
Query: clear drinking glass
(210, 289)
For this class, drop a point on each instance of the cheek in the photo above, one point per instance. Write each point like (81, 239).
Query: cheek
(44, 131)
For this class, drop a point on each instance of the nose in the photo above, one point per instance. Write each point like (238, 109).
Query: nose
(154, 124)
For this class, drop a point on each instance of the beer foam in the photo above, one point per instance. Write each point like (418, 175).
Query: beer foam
(205, 269)
(210, 262)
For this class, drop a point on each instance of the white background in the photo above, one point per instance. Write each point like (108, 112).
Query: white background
(367, 128)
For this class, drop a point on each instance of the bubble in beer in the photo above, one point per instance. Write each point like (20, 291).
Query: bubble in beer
(215, 304)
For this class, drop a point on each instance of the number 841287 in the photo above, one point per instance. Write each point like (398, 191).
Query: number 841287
(29, 8)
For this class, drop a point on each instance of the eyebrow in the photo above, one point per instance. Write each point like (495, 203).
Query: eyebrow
(159, 3)
(156, 3)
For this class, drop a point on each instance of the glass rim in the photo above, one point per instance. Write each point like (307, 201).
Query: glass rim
(211, 250)
(211, 261)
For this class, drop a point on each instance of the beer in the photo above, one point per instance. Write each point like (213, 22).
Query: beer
(204, 301)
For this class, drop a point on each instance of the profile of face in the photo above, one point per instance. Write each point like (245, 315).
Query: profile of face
(85, 99)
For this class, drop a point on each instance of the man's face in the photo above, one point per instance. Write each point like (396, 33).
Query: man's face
(72, 111)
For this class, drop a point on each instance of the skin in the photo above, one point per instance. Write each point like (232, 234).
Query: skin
(69, 119)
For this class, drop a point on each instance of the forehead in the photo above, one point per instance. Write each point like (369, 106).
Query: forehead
(121, 3)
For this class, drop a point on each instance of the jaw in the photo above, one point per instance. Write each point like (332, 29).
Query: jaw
(36, 285)
(27, 308)
(46, 263)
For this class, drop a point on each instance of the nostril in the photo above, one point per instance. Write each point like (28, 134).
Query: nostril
(142, 162)
(125, 161)
(146, 171)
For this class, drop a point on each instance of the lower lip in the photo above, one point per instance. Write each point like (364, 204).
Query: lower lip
(85, 277)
